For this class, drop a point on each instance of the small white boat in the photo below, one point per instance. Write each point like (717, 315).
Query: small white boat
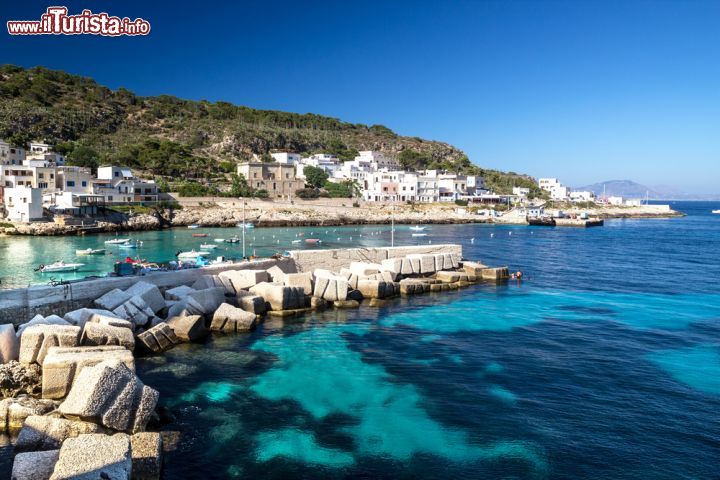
(208, 246)
(60, 267)
(131, 245)
(219, 240)
(193, 226)
(117, 241)
(716, 211)
(192, 254)
(90, 251)
(246, 225)
(232, 240)
(419, 234)
(417, 228)
(296, 241)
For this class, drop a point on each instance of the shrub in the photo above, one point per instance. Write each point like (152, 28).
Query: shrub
(461, 203)
(307, 193)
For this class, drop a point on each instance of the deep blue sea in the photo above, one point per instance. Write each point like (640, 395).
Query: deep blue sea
(603, 364)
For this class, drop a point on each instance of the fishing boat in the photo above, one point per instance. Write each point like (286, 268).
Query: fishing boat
(193, 226)
(232, 240)
(131, 244)
(90, 251)
(117, 241)
(59, 267)
(417, 228)
(219, 240)
(313, 241)
(192, 254)
(297, 241)
(419, 234)
(208, 246)
(246, 225)
(200, 235)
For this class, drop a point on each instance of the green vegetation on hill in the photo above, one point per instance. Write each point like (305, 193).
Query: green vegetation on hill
(165, 136)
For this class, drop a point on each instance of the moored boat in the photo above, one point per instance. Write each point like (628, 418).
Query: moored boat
(193, 226)
(192, 254)
(208, 246)
(716, 211)
(313, 241)
(199, 235)
(541, 221)
(117, 241)
(419, 234)
(90, 251)
(60, 266)
(246, 225)
(417, 228)
(232, 240)
(131, 244)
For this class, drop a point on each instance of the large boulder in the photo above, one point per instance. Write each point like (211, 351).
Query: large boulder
(300, 280)
(14, 411)
(63, 364)
(157, 339)
(48, 433)
(17, 378)
(34, 465)
(280, 297)
(112, 299)
(331, 288)
(37, 340)
(136, 310)
(94, 456)
(230, 319)
(244, 279)
(111, 395)
(178, 293)
(146, 448)
(9, 343)
(205, 302)
(148, 292)
(97, 334)
(189, 328)
(40, 320)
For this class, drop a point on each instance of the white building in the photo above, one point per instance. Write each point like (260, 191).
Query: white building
(376, 160)
(615, 200)
(556, 189)
(581, 196)
(392, 186)
(521, 191)
(23, 204)
(10, 155)
(286, 157)
(328, 163)
(119, 185)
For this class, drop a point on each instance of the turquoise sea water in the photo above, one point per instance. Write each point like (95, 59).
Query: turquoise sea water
(603, 364)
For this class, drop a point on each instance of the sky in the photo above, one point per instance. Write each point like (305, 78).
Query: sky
(584, 91)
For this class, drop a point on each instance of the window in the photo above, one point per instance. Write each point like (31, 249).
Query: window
(254, 174)
(84, 183)
(41, 175)
(110, 198)
(117, 174)
(52, 175)
(274, 186)
(70, 183)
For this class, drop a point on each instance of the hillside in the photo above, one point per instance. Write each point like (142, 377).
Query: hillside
(174, 138)
(623, 188)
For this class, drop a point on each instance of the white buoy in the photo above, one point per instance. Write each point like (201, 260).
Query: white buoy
(472, 240)
(492, 235)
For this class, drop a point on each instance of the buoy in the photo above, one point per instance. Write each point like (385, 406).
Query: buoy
(472, 240)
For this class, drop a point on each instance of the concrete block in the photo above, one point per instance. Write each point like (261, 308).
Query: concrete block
(280, 297)
(205, 301)
(37, 340)
(96, 334)
(149, 293)
(230, 319)
(244, 279)
(447, 277)
(40, 320)
(146, 450)
(300, 280)
(178, 293)
(363, 269)
(9, 343)
(497, 274)
(189, 328)
(48, 433)
(34, 465)
(112, 299)
(63, 364)
(94, 456)
(14, 411)
(275, 275)
(111, 395)
(426, 263)
(375, 288)
(112, 321)
(136, 310)
(252, 303)
(81, 316)
(157, 339)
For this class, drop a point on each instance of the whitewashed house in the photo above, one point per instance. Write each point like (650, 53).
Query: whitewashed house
(581, 196)
(23, 204)
(521, 191)
(286, 157)
(10, 155)
(557, 190)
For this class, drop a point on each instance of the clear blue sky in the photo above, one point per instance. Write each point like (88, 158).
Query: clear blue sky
(585, 91)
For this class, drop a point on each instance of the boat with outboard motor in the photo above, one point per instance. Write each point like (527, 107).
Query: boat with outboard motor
(59, 266)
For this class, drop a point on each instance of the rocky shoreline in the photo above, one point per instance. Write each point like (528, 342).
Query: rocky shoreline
(279, 214)
(74, 404)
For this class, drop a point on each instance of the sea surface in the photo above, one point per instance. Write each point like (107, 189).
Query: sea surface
(604, 363)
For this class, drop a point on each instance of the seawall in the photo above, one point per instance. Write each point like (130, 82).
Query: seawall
(19, 305)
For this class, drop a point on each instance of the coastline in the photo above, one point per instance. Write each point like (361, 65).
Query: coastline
(333, 212)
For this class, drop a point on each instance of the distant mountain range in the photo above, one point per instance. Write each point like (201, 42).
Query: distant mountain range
(630, 189)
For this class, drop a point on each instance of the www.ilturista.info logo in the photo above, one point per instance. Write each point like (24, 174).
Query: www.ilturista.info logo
(56, 21)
